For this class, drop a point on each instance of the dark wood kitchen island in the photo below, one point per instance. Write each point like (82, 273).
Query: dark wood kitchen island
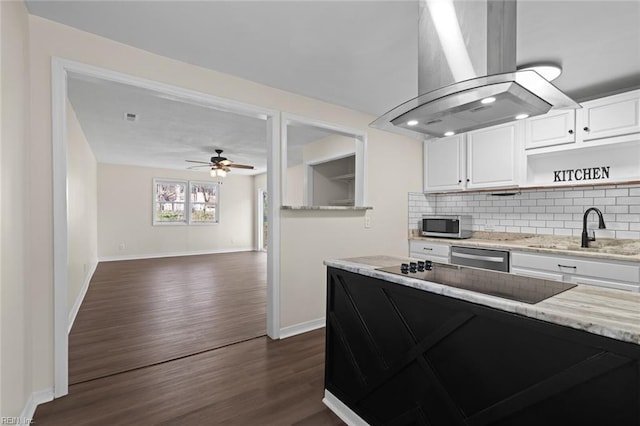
(403, 351)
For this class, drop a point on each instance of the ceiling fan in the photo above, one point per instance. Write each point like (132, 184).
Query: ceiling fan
(219, 165)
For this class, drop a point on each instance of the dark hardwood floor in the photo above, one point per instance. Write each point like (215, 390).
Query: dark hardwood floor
(181, 341)
(143, 312)
(256, 382)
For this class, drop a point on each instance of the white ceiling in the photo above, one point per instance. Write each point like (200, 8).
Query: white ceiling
(359, 54)
(167, 131)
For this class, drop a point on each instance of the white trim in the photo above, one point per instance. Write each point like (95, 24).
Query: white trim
(274, 192)
(302, 327)
(35, 399)
(172, 254)
(60, 243)
(59, 69)
(81, 295)
(342, 411)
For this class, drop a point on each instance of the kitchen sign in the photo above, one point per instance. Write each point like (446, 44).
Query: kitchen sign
(589, 173)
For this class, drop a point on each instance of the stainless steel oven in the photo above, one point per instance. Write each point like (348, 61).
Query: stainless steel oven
(496, 260)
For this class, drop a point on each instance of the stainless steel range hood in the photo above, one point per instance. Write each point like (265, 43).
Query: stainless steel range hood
(467, 72)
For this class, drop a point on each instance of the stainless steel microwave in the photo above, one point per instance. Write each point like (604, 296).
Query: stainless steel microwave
(453, 226)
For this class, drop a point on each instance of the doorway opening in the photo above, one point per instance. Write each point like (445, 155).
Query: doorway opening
(61, 70)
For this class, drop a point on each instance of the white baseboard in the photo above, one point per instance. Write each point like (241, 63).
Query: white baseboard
(36, 398)
(303, 327)
(342, 411)
(171, 254)
(80, 298)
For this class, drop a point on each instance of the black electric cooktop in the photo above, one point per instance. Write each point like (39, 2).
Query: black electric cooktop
(500, 284)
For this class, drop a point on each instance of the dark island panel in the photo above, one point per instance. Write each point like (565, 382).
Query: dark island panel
(399, 356)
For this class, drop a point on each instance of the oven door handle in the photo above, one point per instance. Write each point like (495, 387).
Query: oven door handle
(476, 257)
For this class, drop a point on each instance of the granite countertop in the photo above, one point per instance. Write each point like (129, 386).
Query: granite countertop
(602, 311)
(602, 248)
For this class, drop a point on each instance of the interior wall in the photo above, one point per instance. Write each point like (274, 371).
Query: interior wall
(15, 353)
(306, 239)
(125, 215)
(82, 209)
(310, 237)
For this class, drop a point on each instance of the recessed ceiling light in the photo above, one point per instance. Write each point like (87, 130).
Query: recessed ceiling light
(412, 122)
(488, 100)
(549, 71)
(521, 116)
(449, 133)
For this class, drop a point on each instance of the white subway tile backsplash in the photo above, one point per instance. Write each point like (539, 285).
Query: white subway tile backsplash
(634, 201)
(574, 194)
(604, 201)
(617, 192)
(628, 234)
(552, 211)
(594, 193)
(544, 231)
(588, 202)
(555, 209)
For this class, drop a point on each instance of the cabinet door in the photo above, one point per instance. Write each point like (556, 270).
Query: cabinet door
(492, 156)
(429, 251)
(611, 116)
(604, 283)
(444, 164)
(552, 276)
(555, 128)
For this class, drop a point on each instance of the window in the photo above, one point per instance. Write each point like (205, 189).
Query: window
(172, 206)
(204, 202)
(170, 201)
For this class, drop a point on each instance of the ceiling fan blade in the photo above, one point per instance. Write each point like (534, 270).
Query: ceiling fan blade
(201, 165)
(240, 166)
(224, 162)
(201, 162)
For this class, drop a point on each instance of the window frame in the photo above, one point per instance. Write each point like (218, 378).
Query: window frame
(154, 201)
(188, 217)
(216, 204)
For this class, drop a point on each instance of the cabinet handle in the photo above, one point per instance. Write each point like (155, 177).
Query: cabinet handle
(586, 129)
(467, 180)
(570, 132)
(426, 248)
(567, 266)
(459, 180)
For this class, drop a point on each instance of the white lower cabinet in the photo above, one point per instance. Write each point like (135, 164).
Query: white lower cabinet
(577, 270)
(427, 250)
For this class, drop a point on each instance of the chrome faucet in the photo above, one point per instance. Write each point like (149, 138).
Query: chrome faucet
(585, 236)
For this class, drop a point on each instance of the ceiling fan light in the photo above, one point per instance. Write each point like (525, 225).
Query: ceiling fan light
(216, 172)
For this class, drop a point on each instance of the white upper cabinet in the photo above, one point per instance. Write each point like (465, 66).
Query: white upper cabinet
(554, 128)
(444, 164)
(602, 121)
(492, 156)
(611, 116)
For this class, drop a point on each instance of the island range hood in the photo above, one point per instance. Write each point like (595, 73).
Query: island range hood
(467, 73)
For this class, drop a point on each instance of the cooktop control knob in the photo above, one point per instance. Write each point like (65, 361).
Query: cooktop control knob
(413, 266)
(428, 265)
(404, 268)
(420, 265)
